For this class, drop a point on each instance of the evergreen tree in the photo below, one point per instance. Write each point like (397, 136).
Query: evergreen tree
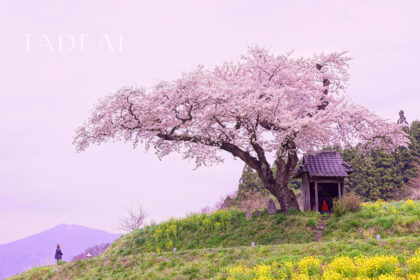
(250, 182)
(377, 175)
(381, 175)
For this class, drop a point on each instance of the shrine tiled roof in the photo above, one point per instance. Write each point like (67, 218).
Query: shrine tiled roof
(324, 164)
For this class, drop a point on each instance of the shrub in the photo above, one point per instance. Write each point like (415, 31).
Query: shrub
(339, 207)
(353, 202)
(350, 202)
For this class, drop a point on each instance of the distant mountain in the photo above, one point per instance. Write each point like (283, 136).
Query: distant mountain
(39, 249)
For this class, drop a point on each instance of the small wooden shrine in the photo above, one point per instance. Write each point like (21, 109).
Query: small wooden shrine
(322, 179)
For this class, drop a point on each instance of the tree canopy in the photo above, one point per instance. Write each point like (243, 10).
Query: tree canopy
(263, 104)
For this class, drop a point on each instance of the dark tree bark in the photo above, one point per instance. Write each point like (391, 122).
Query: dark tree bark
(278, 185)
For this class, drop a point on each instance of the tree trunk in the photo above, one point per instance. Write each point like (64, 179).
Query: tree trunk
(277, 185)
(280, 190)
(286, 198)
(285, 169)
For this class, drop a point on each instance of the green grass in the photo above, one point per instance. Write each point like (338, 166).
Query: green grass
(208, 245)
(385, 219)
(221, 229)
(213, 263)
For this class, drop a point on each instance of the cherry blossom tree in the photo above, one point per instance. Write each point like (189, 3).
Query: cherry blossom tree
(259, 108)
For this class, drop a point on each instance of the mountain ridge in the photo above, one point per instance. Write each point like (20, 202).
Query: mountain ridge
(38, 249)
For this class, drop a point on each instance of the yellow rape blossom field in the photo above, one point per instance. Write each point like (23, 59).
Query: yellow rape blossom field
(341, 267)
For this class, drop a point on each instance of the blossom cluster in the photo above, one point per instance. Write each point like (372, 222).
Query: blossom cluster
(259, 104)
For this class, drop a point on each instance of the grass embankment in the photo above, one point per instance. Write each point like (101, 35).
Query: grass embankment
(231, 229)
(224, 228)
(215, 263)
(144, 254)
(386, 219)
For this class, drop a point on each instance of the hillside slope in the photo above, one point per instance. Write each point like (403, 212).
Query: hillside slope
(224, 228)
(140, 255)
(215, 263)
(39, 249)
(232, 229)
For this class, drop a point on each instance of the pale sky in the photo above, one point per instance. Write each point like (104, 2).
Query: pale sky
(46, 94)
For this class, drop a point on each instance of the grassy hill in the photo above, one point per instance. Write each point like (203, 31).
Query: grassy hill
(231, 229)
(386, 219)
(224, 228)
(217, 246)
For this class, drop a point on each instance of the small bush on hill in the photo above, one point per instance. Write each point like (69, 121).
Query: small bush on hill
(350, 202)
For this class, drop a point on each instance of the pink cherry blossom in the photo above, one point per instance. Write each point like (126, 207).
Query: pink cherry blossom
(259, 106)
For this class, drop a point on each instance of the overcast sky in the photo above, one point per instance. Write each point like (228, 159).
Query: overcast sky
(46, 94)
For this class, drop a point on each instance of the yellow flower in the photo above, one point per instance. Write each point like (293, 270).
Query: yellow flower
(169, 244)
(263, 271)
(340, 268)
(414, 263)
(343, 265)
(237, 272)
(415, 276)
(409, 205)
(389, 277)
(332, 275)
(376, 266)
(309, 265)
(300, 276)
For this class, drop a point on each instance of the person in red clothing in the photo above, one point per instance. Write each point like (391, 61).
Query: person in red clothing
(324, 206)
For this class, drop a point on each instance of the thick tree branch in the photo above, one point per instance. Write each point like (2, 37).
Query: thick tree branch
(229, 147)
(243, 155)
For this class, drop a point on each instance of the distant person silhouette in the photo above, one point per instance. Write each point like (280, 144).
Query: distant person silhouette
(58, 253)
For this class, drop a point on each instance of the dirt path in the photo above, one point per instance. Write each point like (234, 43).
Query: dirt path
(320, 228)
